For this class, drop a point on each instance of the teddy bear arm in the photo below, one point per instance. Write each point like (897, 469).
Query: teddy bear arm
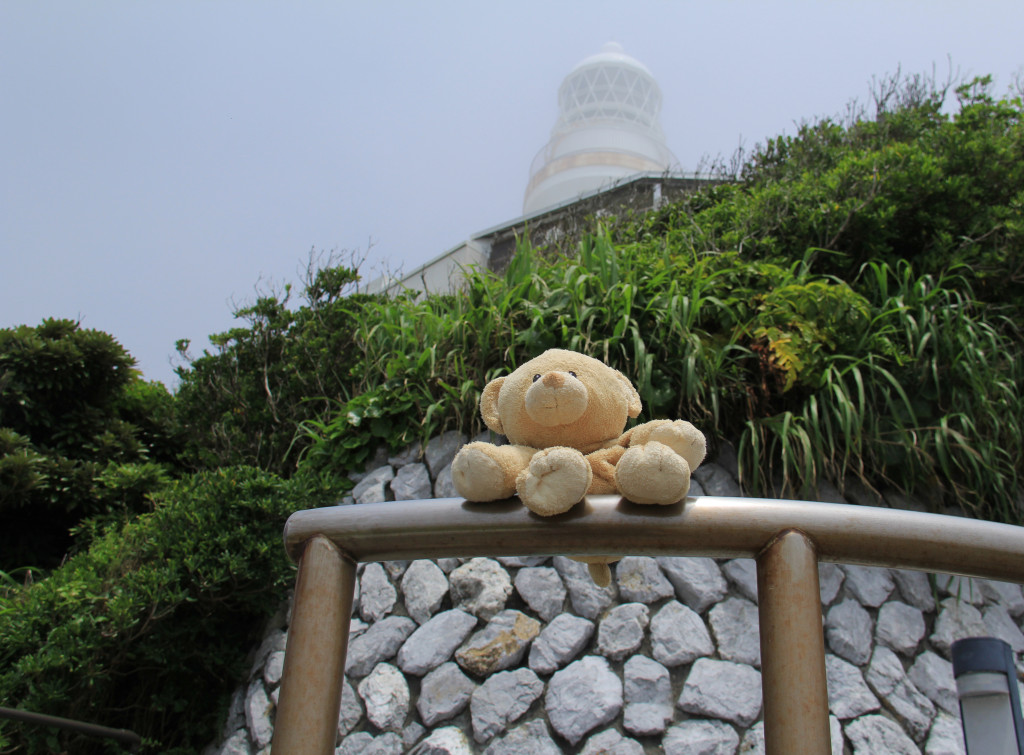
(679, 435)
(641, 434)
(624, 439)
(652, 473)
(602, 464)
(486, 472)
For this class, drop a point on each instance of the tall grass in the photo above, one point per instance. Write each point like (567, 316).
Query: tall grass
(931, 404)
(894, 378)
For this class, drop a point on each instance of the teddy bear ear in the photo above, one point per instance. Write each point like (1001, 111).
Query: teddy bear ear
(489, 405)
(634, 406)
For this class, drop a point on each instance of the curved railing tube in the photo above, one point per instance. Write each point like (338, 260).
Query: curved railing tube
(701, 526)
(787, 538)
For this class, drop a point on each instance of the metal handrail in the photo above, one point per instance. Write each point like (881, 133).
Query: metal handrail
(787, 538)
(129, 738)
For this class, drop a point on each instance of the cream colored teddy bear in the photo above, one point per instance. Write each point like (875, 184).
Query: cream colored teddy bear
(564, 415)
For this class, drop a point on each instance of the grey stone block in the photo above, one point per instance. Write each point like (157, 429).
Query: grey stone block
(697, 581)
(542, 589)
(695, 737)
(848, 693)
(412, 483)
(679, 636)
(559, 642)
(879, 734)
(377, 596)
(434, 642)
(385, 695)
(622, 630)
(481, 586)
(900, 627)
(502, 699)
(734, 624)
(641, 580)
(722, 689)
(444, 693)
(583, 696)
(424, 586)
(588, 600)
(648, 696)
(849, 632)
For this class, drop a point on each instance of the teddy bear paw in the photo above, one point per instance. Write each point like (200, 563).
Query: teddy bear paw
(478, 476)
(653, 473)
(683, 438)
(556, 480)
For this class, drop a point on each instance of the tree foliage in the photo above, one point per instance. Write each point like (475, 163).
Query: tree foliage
(81, 435)
(242, 403)
(914, 183)
(147, 628)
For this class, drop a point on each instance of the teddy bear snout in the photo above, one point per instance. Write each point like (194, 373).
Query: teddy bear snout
(556, 400)
(553, 380)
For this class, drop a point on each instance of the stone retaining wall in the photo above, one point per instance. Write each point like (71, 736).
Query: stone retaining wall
(527, 655)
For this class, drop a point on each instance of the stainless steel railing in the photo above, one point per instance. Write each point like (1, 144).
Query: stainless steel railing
(129, 739)
(787, 539)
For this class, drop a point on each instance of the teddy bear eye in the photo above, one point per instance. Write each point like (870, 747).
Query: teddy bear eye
(572, 373)
(536, 378)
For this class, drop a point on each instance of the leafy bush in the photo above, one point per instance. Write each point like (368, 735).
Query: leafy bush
(780, 310)
(892, 377)
(242, 403)
(922, 401)
(912, 183)
(59, 382)
(75, 422)
(149, 628)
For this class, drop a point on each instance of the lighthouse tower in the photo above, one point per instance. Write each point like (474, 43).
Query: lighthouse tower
(607, 129)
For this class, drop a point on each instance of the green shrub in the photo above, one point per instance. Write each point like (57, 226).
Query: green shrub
(894, 377)
(923, 180)
(243, 402)
(58, 383)
(72, 411)
(149, 628)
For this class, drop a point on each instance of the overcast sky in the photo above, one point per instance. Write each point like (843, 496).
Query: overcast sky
(159, 160)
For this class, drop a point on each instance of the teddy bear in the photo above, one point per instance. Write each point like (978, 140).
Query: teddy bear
(564, 414)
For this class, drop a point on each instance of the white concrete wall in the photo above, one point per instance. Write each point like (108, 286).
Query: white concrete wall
(442, 274)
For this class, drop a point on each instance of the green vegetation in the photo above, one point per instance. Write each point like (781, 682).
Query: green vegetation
(81, 436)
(849, 309)
(242, 404)
(146, 628)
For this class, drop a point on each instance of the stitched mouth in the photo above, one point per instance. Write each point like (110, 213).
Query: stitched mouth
(552, 407)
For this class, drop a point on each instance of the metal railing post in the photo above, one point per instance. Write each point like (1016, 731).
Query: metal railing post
(314, 662)
(793, 686)
(787, 538)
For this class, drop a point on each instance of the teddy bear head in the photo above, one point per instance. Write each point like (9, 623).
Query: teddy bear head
(560, 398)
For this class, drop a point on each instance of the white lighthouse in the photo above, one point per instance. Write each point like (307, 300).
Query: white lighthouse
(607, 129)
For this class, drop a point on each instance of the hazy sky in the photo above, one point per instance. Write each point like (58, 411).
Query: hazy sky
(159, 160)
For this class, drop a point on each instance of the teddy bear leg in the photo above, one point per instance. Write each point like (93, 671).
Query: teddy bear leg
(485, 472)
(598, 568)
(652, 473)
(556, 480)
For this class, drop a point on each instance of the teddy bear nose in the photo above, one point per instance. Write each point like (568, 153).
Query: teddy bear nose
(553, 380)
